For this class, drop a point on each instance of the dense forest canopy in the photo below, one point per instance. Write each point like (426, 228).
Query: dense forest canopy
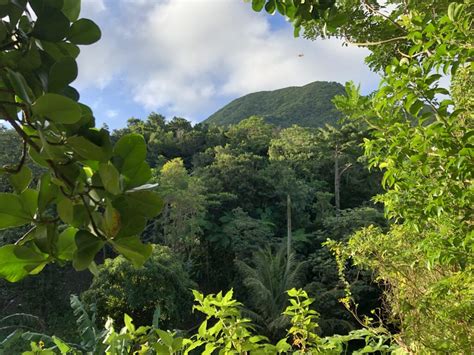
(347, 237)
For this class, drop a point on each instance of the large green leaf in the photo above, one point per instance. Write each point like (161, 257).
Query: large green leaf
(133, 249)
(110, 178)
(84, 31)
(87, 150)
(111, 221)
(20, 86)
(72, 9)
(147, 203)
(257, 5)
(12, 212)
(47, 192)
(16, 262)
(22, 179)
(51, 25)
(62, 73)
(29, 201)
(65, 209)
(129, 158)
(57, 108)
(88, 246)
(60, 50)
(66, 244)
(45, 237)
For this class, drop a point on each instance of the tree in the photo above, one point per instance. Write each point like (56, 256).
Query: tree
(184, 211)
(89, 185)
(341, 147)
(251, 135)
(162, 284)
(267, 281)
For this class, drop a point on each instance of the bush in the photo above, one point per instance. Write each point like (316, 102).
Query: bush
(162, 282)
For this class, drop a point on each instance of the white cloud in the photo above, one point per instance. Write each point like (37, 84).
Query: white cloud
(92, 7)
(184, 56)
(111, 113)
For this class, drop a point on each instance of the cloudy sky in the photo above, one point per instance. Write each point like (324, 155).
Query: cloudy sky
(190, 57)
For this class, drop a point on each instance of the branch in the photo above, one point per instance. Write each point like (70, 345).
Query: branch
(376, 43)
(375, 11)
(345, 169)
(89, 213)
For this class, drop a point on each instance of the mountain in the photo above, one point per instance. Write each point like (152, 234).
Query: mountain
(307, 106)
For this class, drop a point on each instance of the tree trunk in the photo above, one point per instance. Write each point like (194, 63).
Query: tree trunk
(288, 223)
(337, 182)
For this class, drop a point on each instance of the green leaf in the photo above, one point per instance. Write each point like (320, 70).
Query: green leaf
(165, 337)
(257, 5)
(111, 221)
(65, 209)
(51, 25)
(61, 50)
(22, 179)
(20, 86)
(133, 249)
(202, 329)
(270, 7)
(87, 150)
(129, 158)
(47, 192)
(72, 9)
(29, 200)
(45, 237)
(84, 31)
(62, 346)
(88, 246)
(128, 321)
(110, 178)
(12, 212)
(147, 203)
(62, 73)
(66, 244)
(16, 262)
(57, 108)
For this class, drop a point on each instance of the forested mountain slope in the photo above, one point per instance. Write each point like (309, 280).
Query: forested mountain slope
(307, 106)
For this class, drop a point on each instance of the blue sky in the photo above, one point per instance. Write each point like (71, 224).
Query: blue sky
(188, 58)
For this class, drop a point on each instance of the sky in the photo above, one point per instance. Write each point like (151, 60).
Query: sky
(188, 58)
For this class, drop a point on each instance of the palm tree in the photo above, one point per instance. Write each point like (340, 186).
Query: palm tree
(267, 282)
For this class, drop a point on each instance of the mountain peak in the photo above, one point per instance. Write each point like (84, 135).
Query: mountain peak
(308, 106)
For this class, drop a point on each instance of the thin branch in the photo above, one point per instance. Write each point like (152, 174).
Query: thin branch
(18, 104)
(375, 11)
(345, 169)
(376, 43)
(24, 236)
(89, 213)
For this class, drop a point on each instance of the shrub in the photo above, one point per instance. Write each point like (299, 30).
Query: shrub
(161, 283)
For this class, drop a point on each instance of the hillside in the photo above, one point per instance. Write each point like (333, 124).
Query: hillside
(308, 106)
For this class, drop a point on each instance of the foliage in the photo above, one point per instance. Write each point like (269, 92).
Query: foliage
(90, 335)
(267, 281)
(324, 283)
(242, 234)
(224, 331)
(306, 106)
(184, 211)
(94, 188)
(251, 135)
(422, 140)
(161, 283)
